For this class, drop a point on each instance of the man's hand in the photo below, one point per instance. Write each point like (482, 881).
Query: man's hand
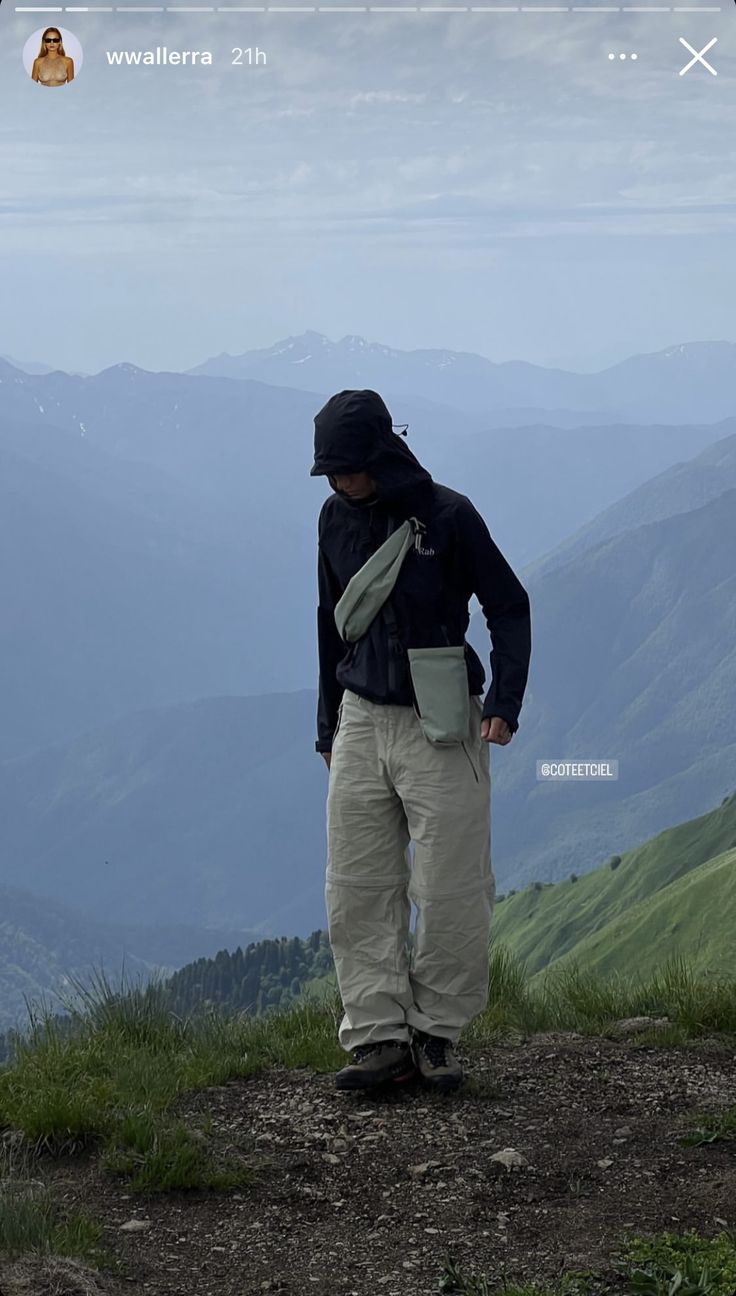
(328, 758)
(495, 730)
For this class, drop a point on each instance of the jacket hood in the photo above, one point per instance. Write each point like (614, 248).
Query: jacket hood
(353, 433)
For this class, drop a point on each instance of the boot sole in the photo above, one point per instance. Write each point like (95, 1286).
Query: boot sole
(356, 1080)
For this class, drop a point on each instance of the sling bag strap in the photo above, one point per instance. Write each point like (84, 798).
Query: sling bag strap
(438, 675)
(367, 591)
(397, 652)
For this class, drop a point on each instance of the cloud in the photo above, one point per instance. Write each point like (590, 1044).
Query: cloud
(384, 97)
(413, 142)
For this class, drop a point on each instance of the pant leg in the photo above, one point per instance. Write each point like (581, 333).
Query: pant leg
(368, 907)
(446, 794)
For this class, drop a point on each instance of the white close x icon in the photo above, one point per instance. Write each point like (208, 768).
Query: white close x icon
(698, 56)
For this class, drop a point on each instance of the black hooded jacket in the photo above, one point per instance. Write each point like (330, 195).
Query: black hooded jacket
(457, 558)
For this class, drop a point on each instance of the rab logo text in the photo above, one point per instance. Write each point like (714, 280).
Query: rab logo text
(419, 532)
(418, 548)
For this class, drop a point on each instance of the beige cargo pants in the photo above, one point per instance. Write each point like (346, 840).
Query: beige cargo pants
(389, 786)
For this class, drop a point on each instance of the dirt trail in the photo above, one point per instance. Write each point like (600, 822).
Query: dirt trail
(362, 1195)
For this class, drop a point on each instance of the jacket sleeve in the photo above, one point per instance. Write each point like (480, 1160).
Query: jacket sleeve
(505, 605)
(331, 650)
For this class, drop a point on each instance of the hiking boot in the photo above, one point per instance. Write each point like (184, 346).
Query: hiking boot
(437, 1064)
(377, 1063)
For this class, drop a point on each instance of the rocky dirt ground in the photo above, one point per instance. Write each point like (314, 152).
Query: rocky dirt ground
(362, 1195)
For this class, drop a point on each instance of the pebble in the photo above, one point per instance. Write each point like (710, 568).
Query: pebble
(422, 1167)
(510, 1158)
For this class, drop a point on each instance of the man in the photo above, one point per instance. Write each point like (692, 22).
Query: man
(388, 784)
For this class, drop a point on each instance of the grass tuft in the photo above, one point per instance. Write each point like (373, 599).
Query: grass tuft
(714, 1127)
(111, 1076)
(667, 1264)
(454, 1280)
(681, 1263)
(582, 1000)
(31, 1221)
(160, 1156)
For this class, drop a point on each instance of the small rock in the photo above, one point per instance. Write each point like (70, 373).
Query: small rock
(422, 1167)
(510, 1158)
(330, 1158)
(622, 1132)
(605, 1164)
(135, 1226)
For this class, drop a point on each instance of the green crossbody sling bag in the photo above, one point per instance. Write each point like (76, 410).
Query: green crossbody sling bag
(439, 675)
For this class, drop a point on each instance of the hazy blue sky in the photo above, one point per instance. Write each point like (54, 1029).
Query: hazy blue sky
(487, 182)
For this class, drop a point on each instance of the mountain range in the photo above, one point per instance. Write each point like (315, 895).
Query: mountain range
(688, 382)
(691, 382)
(158, 664)
(212, 812)
(677, 489)
(175, 507)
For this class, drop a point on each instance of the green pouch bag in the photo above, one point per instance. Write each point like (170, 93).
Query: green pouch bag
(440, 680)
(369, 588)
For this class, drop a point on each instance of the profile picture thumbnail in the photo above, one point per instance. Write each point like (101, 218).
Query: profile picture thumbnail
(52, 56)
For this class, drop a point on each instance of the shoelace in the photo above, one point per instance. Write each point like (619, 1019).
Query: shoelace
(435, 1049)
(362, 1050)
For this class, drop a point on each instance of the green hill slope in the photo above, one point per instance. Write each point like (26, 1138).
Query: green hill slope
(675, 894)
(694, 918)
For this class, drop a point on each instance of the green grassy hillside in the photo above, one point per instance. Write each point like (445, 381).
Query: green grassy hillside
(675, 894)
(694, 917)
